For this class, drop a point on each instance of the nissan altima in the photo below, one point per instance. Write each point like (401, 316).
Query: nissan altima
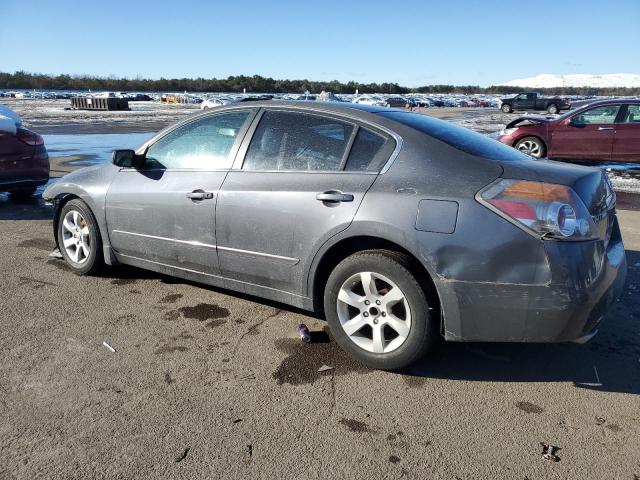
(399, 227)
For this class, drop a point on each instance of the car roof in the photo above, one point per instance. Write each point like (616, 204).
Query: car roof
(615, 101)
(336, 107)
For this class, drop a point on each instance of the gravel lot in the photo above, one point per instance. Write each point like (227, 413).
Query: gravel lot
(209, 384)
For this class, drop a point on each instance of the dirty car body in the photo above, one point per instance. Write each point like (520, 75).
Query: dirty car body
(472, 219)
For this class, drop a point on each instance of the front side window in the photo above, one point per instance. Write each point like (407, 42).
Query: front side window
(598, 115)
(633, 114)
(201, 145)
(297, 141)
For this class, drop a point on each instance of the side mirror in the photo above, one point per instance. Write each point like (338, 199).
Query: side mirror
(127, 159)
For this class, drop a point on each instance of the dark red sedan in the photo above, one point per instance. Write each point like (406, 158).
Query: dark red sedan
(24, 162)
(607, 130)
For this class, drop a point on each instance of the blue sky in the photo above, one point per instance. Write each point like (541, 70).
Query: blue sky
(411, 43)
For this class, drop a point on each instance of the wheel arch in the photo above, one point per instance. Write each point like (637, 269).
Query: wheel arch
(345, 247)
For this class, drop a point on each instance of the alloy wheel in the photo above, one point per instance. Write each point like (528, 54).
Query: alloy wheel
(530, 148)
(374, 312)
(75, 237)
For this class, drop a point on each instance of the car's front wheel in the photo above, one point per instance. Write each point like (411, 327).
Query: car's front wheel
(532, 146)
(378, 311)
(79, 238)
(506, 108)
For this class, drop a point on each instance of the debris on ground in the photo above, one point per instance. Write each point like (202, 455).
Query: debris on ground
(113, 350)
(183, 456)
(303, 331)
(325, 368)
(600, 421)
(56, 254)
(549, 452)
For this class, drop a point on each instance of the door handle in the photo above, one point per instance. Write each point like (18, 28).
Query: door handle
(200, 195)
(605, 128)
(333, 196)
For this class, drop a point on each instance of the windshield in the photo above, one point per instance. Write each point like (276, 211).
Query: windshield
(458, 137)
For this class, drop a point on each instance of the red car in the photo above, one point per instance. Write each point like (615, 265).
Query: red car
(24, 162)
(600, 131)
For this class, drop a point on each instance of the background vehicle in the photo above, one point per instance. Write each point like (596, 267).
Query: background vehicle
(24, 162)
(397, 102)
(600, 131)
(336, 207)
(534, 101)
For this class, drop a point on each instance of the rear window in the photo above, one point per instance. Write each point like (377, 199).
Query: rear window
(458, 137)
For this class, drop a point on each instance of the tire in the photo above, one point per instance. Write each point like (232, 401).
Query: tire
(532, 146)
(78, 214)
(23, 193)
(506, 108)
(552, 109)
(392, 349)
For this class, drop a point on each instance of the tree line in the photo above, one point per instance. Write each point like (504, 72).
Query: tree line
(258, 84)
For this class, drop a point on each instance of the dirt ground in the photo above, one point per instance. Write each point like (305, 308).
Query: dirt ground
(205, 383)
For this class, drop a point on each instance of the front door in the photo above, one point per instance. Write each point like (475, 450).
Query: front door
(626, 143)
(301, 182)
(587, 135)
(165, 212)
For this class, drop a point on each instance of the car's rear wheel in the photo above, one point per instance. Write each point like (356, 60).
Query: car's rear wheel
(552, 109)
(378, 311)
(22, 193)
(79, 238)
(532, 146)
(506, 108)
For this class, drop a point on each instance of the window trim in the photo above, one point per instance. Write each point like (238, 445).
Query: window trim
(354, 121)
(143, 149)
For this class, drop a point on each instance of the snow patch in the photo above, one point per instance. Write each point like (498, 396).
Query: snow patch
(549, 80)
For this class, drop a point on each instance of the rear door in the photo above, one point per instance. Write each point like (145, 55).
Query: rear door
(165, 212)
(587, 135)
(300, 182)
(626, 142)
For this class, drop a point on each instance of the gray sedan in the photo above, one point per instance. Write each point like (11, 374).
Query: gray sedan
(399, 227)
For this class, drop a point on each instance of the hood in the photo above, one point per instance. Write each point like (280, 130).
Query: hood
(529, 120)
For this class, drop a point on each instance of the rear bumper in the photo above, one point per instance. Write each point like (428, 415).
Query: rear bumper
(26, 172)
(586, 280)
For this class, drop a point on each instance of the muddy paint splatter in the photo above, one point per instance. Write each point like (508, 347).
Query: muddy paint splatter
(304, 359)
(169, 349)
(355, 425)
(204, 311)
(394, 459)
(614, 427)
(171, 298)
(529, 407)
(167, 378)
(44, 244)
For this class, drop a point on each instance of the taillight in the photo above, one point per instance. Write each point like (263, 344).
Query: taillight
(543, 209)
(29, 137)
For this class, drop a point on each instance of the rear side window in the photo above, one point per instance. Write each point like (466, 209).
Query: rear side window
(370, 151)
(201, 145)
(298, 142)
